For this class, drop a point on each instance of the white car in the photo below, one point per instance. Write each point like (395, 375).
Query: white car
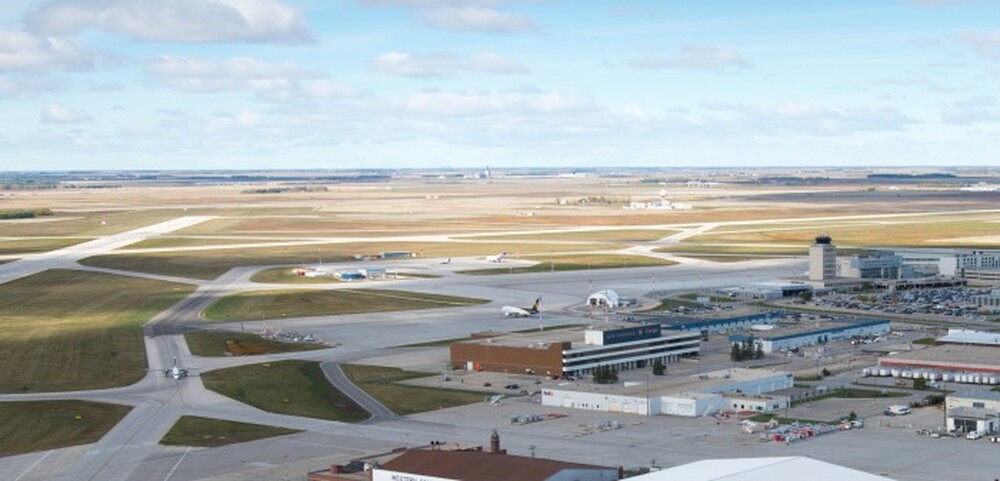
(974, 435)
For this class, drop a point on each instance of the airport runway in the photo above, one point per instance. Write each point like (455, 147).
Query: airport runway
(130, 450)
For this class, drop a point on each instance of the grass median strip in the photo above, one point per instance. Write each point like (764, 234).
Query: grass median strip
(306, 303)
(226, 343)
(209, 433)
(41, 425)
(287, 275)
(574, 263)
(298, 388)
(383, 384)
(67, 330)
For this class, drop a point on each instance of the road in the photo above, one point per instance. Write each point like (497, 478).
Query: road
(379, 412)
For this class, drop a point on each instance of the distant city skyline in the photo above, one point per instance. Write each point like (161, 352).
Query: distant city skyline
(358, 84)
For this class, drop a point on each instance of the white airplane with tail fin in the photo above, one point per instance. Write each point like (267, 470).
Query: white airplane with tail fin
(497, 258)
(176, 372)
(511, 311)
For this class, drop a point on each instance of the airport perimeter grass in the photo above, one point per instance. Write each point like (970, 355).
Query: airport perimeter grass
(33, 245)
(287, 275)
(66, 330)
(574, 263)
(307, 303)
(382, 383)
(212, 262)
(298, 388)
(42, 425)
(611, 235)
(202, 432)
(226, 343)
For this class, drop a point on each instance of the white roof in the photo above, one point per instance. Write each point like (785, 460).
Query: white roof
(608, 293)
(964, 336)
(760, 469)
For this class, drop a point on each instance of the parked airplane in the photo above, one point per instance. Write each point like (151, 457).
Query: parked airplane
(176, 372)
(511, 311)
(497, 258)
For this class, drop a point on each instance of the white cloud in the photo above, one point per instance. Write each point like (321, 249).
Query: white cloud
(978, 109)
(479, 103)
(25, 52)
(710, 58)
(59, 114)
(188, 21)
(273, 81)
(799, 118)
(986, 44)
(244, 119)
(442, 64)
(476, 19)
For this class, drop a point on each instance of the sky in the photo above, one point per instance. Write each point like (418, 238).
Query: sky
(303, 84)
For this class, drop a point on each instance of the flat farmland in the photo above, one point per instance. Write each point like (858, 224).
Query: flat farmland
(211, 263)
(305, 303)
(67, 330)
(42, 425)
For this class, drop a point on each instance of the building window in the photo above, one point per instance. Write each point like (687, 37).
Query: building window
(979, 405)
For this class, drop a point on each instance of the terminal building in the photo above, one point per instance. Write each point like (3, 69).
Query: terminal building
(689, 396)
(880, 266)
(971, 338)
(989, 302)
(788, 336)
(758, 469)
(574, 352)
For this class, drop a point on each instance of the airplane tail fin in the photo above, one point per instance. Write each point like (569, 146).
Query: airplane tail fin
(534, 307)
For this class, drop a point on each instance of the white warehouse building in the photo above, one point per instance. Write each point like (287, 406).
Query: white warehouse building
(689, 396)
(973, 411)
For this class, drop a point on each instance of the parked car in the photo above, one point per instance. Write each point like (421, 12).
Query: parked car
(974, 435)
(512, 386)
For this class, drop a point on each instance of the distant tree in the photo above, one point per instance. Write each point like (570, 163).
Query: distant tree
(920, 383)
(658, 368)
(806, 296)
(613, 375)
(825, 372)
(758, 352)
(736, 354)
(605, 375)
(852, 416)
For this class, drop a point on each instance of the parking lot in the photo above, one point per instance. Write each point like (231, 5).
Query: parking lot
(953, 302)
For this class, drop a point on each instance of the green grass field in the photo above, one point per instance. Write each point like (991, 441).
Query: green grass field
(180, 241)
(305, 303)
(574, 263)
(226, 343)
(67, 330)
(287, 275)
(42, 425)
(288, 387)
(667, 304)
(29, 246)
(209, 433)
(211, 263)
(382, 384)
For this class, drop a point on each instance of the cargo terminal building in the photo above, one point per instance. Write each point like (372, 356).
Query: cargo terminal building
(572, 352)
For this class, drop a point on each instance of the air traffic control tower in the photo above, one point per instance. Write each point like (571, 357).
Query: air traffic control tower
(822, 259)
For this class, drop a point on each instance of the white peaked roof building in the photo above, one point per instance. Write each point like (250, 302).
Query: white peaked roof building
(760, 469)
